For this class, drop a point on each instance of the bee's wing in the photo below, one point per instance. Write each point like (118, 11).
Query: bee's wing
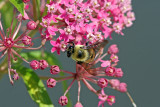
(101, 45)
(97, 45)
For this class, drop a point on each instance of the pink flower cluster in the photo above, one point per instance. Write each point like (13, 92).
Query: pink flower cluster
(81, 21)
(88, 72)
(11, 42)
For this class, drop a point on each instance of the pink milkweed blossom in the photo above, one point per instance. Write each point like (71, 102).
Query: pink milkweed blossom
(80, 21)
(34, 64)
(63, 100)
(10, 42)
(89, 72)
(78, 104)
(51, 83)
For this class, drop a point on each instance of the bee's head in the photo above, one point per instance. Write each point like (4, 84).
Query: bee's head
(70, 49)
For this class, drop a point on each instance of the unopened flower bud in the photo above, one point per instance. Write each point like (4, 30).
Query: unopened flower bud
(110, 71)
(63, 100)
(16, 76)
(114, 83)
(31, 25)
(118, 72)
(122, 87)
(113, 49)
(102, 82)
(54, 69)
(26, 40)
(43, 64)
(34, 64)
(78, 104)
(25, 1)
(51, 83)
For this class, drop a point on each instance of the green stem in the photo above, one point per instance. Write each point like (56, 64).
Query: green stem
(34, 9)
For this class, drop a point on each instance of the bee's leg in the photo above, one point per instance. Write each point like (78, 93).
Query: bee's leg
(87, 43)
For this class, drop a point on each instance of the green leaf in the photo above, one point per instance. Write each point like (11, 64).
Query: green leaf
(7, 15)
(52, 60)
(35, 87)
(19, 5)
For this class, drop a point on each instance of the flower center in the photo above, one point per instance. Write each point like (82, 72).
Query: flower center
(8, 42)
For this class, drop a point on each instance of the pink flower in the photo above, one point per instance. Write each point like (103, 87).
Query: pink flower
(102, 82)
(81, 22)
(58, 46)
(110, 71)
(15, 76)
(34, 64)
(52, 8)
(63, 100)
(113, 49)
(51, 83)
(11, 42)
(114, 58)
(78, 104)
(26, 40)
(43, 64)
(54, 69)
(111, 100)
(103, 98)
(117, 27)
(131, 15)
(118, 72)
(86, 20)
(122, 87)
(31, 25)
(51, 30)
(105, 63)
(114, 83)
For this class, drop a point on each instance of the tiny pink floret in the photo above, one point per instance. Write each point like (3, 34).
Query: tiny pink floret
(122, 87)
(31, 25)
(54, 69)
(102, 82)
(114, 58)
(110, 71)
(111, 100)
(63, 100)
(51, 83)
(34, 64)
(15, 76)
(113, 49)
(78, 104)
(114, 83)
(26, 40)
(43, 64)
(8, 42)
(118, 72)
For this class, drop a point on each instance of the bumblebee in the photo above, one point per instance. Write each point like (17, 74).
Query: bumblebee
(84, 53)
